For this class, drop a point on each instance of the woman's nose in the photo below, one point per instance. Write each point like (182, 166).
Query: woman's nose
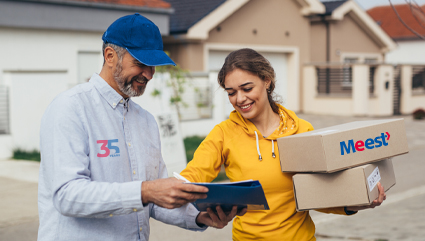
(240, 97)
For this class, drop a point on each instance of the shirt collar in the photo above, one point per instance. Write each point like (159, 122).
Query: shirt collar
(110, 95)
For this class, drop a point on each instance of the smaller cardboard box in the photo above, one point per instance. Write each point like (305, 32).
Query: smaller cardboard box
(343, 146)
(351, 187)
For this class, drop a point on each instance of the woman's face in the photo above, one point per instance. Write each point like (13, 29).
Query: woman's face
(247, 93)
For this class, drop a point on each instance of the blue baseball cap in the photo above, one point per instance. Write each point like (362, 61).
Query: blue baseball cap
(140, 37)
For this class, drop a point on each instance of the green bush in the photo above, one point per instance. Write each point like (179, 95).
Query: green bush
(191, 143)
(20, 154)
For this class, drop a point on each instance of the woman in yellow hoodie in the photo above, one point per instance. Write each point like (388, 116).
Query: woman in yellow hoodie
(246, 145)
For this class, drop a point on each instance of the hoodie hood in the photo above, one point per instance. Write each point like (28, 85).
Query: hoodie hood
(289, 123)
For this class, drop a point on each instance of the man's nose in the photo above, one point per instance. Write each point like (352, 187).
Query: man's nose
(148, 72)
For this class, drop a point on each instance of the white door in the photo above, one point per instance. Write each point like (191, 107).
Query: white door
(30, 94)
(277, 60)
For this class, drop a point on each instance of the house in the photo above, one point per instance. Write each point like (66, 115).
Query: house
(327, 57)
(410, 48)
(48, 47)
(409, 56)
(289, 33)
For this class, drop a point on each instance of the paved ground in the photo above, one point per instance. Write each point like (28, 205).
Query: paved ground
(401, 217)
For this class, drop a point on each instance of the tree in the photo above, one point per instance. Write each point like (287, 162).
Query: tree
(177, 81)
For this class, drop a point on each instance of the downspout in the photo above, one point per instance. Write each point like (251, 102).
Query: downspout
(328, 53)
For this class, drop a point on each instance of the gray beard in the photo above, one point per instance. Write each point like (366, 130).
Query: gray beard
(125, 85)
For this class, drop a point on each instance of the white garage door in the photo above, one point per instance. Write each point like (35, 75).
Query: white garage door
(277, 60)
(30, 94)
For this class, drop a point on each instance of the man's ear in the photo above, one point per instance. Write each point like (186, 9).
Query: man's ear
(110, 56)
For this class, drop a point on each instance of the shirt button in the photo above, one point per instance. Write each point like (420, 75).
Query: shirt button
(135, 210)
(134, 172)
(114, 104)
(129, 144)
(110, 215)
(121, 101)
(141, 229)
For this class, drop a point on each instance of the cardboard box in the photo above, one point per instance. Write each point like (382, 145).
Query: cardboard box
(343, 146)
(351, 187)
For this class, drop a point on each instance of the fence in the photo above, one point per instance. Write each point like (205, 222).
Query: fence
(4, 110)
(339, 79)
(418, 79)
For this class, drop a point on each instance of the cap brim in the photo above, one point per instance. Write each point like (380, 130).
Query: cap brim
(151, 57)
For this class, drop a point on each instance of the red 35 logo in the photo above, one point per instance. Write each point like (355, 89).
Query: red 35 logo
(107, 146)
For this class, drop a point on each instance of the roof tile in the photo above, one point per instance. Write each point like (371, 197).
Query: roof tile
(140, 3)
(389, 22)
(189, 12)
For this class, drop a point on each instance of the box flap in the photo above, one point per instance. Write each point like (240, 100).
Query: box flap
(310, 150)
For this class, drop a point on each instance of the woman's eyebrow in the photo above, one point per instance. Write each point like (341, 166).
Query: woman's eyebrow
(242, 85)
(247, 83)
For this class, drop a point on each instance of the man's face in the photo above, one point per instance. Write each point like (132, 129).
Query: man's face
(132, 76)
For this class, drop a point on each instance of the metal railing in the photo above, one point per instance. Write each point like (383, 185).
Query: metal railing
(339, 79)
(4, 110)
(418, 77)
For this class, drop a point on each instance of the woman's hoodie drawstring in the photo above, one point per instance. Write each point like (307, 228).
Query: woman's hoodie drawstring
(258, 147)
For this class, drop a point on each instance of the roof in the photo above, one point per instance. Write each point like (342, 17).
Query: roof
(389, 22)
(332, 5)
(189, 12)
(140, 3)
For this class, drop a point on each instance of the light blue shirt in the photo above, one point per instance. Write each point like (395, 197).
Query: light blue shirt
(96, 150)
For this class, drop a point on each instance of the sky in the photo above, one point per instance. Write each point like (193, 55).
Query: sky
(367, 4)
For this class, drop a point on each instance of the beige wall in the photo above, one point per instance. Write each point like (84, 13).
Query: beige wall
(346, 36)
(318, 42)
(188, 55)
(271, 21)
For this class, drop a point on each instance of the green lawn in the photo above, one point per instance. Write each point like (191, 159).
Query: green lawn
(191, 143)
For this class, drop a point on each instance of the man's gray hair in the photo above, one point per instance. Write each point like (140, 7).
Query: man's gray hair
(119, 50)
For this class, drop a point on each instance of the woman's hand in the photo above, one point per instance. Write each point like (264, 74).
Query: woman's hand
(220, 219)
(377, 202)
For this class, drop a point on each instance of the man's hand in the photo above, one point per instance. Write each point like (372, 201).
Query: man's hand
(171, 193)
(377, 202)
(220, 219)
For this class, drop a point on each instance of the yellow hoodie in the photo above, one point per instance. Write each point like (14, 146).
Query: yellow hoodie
(238, 145)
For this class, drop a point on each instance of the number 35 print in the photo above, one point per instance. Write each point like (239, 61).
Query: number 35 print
(106, 148)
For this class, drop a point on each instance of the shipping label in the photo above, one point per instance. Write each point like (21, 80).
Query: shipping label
(373, 179)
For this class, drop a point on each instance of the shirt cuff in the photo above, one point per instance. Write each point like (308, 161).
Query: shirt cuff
(131, 195)
(191, 215)
(349, 212)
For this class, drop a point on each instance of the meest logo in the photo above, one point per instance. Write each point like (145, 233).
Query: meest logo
(368, 144)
